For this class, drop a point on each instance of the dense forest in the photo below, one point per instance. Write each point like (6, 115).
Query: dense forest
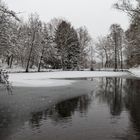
(33, 44)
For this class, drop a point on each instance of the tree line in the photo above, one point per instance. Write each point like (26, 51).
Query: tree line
(58, 45)
(121, 49)
(33, 43)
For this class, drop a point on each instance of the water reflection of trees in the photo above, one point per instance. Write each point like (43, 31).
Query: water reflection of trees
(132, 102)
(6, 119)
(63, 111)
(119, 94)
(111, 92)
(122, 94)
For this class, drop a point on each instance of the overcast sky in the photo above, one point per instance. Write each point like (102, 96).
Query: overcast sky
(96, 15)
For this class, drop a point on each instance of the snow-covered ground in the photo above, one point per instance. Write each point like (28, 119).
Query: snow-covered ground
(135, 71)
(45, 79)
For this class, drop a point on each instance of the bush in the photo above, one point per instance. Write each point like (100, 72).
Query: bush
(4, 81)
(4, 77)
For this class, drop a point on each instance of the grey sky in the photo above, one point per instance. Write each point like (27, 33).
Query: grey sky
(96, 15)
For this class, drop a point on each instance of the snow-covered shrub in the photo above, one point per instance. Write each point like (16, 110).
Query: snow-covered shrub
(4, 77)
(4, 82)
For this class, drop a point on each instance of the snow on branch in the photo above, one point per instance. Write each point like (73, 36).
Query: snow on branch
(9, 12)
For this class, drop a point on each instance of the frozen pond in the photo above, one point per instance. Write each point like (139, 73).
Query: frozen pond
(88, 109)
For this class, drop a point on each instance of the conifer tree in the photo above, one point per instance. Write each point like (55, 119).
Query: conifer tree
(67, 45)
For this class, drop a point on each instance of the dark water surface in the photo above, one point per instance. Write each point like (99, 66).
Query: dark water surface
(92, 109)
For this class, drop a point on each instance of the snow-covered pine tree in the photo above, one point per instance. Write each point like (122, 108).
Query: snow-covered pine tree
(67, 45)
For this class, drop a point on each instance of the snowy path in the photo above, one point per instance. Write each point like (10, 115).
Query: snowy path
(45, 79)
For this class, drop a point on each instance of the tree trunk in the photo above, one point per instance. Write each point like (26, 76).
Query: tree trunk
(115, 49)
(102, 62)
(11, 61)
(121, 59)
(106, 63)
(8, 60)
(31, 49)
(40, 61)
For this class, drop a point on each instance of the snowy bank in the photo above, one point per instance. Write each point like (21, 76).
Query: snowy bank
(45, 79)
(135, 71)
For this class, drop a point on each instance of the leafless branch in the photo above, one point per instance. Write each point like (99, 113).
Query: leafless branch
(9, 12)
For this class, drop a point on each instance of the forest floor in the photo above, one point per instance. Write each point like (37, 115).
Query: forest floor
(60, 78)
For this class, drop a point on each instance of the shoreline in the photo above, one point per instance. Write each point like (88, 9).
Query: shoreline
(61, 78)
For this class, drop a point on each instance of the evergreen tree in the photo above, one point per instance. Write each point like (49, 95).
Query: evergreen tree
(67, 45)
